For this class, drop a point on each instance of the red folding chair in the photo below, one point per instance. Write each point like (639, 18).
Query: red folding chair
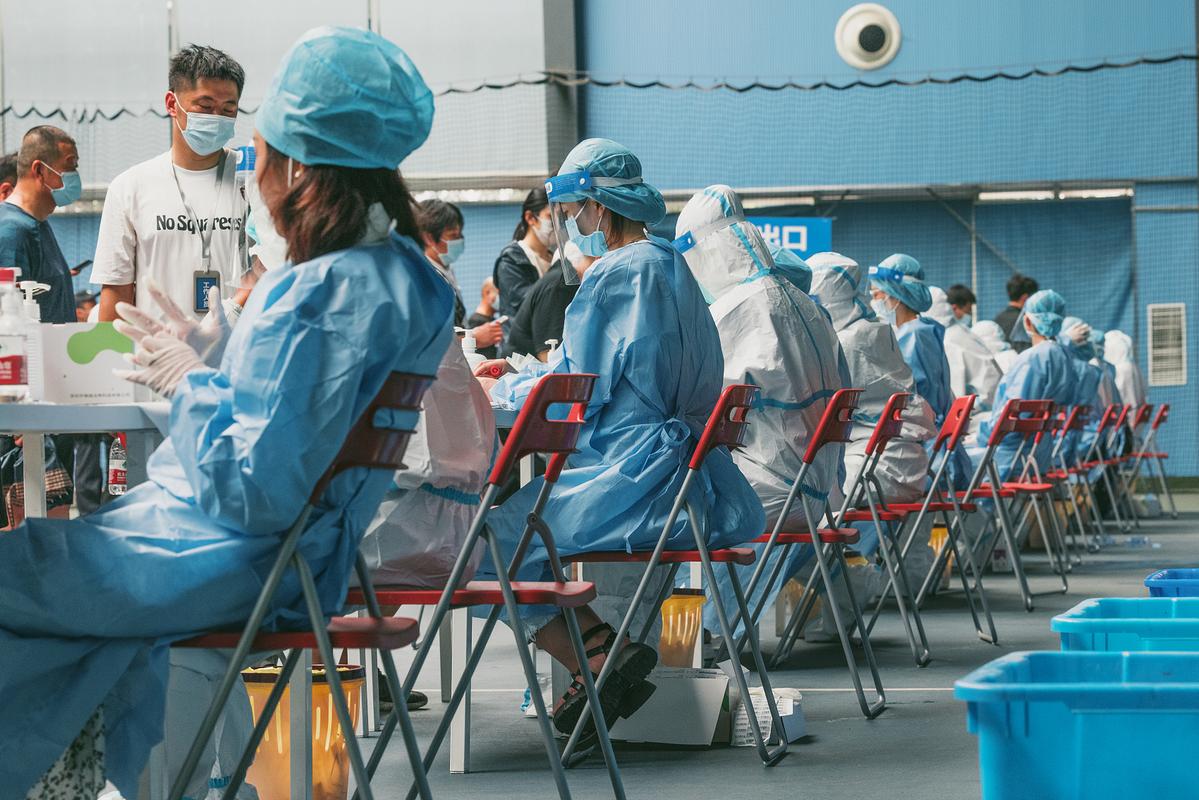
(1104, 456)
(365, 446)
(1024, 418)
(725, 428)
(1073, 482)
(864, 503)
(1147, 452)
(828, 545)
(941, 503)
(535, 432)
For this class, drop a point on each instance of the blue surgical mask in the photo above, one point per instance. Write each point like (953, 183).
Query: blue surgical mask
(884, 311)
(71, 189)
(206, 133)
(966, 320)
(454, 248)
(592, 244)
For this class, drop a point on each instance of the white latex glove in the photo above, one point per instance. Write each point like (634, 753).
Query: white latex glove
(164, 361)
(1080, 333)
(207, 337)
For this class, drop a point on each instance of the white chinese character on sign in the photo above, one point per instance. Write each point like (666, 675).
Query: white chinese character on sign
(771, 233)
(795, 237)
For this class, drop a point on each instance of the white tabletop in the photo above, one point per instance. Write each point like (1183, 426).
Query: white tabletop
(55, 418)
(505, 418)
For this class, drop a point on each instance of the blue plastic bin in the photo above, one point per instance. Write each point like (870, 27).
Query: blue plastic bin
(1115, 624)
(1085, 726)
(1174, 583)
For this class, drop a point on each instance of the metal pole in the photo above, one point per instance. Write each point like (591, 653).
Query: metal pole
(172, 49)
(374, 12)
(3, 103)
(1133, 274)
(974, 246)
(974, 231)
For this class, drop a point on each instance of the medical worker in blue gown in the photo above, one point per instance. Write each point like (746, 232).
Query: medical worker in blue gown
(901, 297)
(774, 337)
(1044, 371)
(640, 323)
(1075, 337)
(89, 607)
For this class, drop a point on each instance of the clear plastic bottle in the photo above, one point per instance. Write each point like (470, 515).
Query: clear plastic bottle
(470, 349)
(14, 372)
(117, 478)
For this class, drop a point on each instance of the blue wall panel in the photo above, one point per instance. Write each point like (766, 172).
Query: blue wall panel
(1108, 124)
(773, 38)
(1167, 246)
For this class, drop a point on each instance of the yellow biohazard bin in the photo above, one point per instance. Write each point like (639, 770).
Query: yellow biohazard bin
(682, 620)
(270, 773)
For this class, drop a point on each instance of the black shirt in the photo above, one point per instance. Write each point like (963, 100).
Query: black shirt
(475, 320)
(542, 315)
(514, 276)
(1006, 320)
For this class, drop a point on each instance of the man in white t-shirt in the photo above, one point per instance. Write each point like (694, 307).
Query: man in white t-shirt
(178, 218)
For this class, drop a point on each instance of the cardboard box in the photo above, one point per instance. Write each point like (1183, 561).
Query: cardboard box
(73, 363)
(683, 710)
(692, 707)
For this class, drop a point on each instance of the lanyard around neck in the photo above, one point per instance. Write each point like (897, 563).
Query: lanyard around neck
(205, 231)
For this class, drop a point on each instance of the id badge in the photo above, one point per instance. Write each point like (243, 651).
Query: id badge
(203, 281)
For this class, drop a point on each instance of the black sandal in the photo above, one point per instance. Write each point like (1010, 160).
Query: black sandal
(624, 691)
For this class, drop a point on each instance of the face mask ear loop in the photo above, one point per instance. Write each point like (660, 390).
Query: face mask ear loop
(289, 172)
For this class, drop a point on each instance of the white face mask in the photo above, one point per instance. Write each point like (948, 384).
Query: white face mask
(884, 310)
(270, 247)
(544, 231)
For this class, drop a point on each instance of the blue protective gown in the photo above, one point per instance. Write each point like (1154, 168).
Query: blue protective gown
(1087, 394)
(640, 323)
(88, 606)
(1044, 371)
(922, 342)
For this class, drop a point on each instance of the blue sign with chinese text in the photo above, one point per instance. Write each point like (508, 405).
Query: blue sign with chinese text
(801, 235)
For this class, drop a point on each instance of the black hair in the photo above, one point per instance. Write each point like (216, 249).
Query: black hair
(8, 168)
(1020, 285)
(40, 144)
(960, 296)
(535, 200)
(434, 217)
(196, 62)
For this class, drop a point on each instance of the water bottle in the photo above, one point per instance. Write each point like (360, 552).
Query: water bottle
(245, 166)
(14, 372)
(117, 479)
(247, 190)
(470, 350)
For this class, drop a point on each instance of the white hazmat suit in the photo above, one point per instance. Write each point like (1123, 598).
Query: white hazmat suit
(424, 518)
(877, 366)
(775, 337)
(990, 334)
(1130, 381)
(972, 366)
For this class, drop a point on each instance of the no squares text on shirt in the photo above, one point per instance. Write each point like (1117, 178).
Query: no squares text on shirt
(181, 222)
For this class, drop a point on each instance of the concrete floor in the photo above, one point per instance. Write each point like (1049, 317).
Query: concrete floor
(919, 747)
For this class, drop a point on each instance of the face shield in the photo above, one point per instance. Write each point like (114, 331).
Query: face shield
(688, 239)
(1019, 334)
(574, 219)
